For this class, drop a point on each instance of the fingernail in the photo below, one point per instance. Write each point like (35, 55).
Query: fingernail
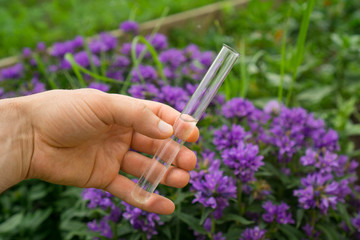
(164, 127)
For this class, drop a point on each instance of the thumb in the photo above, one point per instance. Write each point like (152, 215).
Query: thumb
(132, 112)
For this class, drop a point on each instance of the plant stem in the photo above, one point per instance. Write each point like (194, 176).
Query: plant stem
(239, 198)
(243, 70)
(283, 56)
(300, 46)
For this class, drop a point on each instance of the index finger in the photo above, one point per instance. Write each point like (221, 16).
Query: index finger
(169, 115)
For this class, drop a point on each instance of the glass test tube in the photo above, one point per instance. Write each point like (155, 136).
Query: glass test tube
(185, 124)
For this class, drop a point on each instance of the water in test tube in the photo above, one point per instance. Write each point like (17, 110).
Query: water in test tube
(184, 125)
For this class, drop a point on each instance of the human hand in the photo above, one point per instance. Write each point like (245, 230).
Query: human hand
(83, 138)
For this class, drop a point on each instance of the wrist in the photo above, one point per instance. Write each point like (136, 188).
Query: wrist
(16, 142)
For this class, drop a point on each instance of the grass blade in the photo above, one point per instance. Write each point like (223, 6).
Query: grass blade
(300, 45)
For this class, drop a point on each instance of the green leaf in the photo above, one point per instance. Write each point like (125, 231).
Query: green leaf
(236, 218)
(181, 196)
(329, 231)
(136, 236)
(315, 95)
(12, 223)
(299, 217)
(345, 215)
(205, 215)
(291, 232)
(124, 229)
(191, 221)
(166, 230)
(37, 218)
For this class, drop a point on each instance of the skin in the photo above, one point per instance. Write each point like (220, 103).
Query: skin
(83, 138)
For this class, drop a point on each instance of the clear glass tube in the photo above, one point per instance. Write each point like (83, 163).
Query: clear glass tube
(185, 124)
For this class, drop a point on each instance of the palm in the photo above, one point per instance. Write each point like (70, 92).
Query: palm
(83, 137)
(73, 138)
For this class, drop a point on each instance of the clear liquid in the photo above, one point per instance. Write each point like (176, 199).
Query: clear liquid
(163, 158)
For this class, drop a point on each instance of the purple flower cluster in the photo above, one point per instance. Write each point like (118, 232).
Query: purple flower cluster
(243, 160)
(293, 129)
(103, 200)
(59, 49)
(130, 27)
(226, 138)
(356, 222)
(12, 72)
(237, 108)
(320, 191)
(141, 220)
(253, 234)
(105, 42)
(213, 190)
(277, 213)
(324, 162)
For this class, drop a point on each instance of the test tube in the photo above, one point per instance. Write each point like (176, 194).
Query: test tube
(184, 125)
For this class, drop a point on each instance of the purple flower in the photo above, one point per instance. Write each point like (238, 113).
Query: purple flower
(170, 73)
(193, 70)
(214, 190)
(104, 43)
(237, 107)
(96, 197)
(253, 234)
(77, 42)
(309, 158)
(272, 107)
(191, 52)
(139, 49)
(81, 58)
(26, 52)
(277, 212)
(207, 224)
(146, 72)
(258, 121)
(226, 137)
(141, 220)
(328, 140)
(103, 227)
(121, 62)
(206, 58)
(53, 68)
(218, 236)
(318, 191)
(325, 162)
(108, 40)
(35, 86)
(59, 49)
(172, 57)
(158, 41)
(130, 27)
(13, 72)
(147, 91)
(244, 160)
(176, 97)
(99, 86)
(356, 222)
(117, 75)
(41, 47)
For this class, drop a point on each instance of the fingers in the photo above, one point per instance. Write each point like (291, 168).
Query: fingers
(185, 159)
(136, 164)
(122, 187)
(132, 112)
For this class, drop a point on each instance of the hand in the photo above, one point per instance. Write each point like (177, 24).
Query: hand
(83, 138)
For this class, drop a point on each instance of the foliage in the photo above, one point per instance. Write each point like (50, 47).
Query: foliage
(287, 174)
(24, 23)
